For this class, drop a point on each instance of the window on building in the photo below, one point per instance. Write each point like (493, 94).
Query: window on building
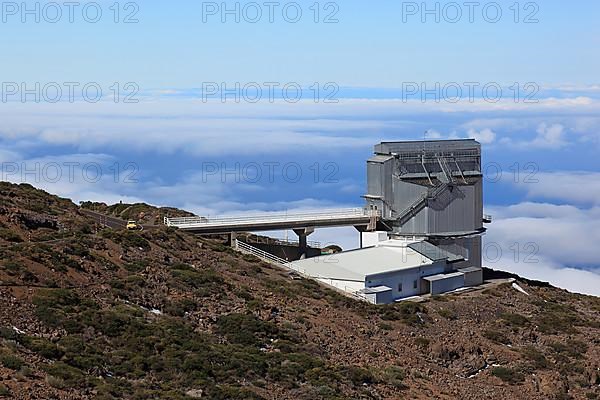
(400, 287)
(415, 284)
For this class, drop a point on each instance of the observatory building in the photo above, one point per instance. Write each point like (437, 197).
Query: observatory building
(420, 228)
(432, 190)
(428, 199)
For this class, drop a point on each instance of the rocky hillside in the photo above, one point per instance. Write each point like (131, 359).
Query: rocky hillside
(94, 313)
(140, 212)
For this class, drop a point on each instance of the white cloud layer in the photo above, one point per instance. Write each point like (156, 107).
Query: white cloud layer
(549, 136)
(564, 236)
(571, 279)
(485, 136)
(547, 242)
(193, 127)
(573, 187)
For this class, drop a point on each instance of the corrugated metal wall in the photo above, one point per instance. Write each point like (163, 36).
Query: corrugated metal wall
(380, 183)
(456, 211)
(401, 181)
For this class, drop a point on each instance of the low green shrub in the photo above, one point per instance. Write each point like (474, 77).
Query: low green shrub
(179, 307)
(323, 377)
(205, 281)
(407, 312)
(77, 249)
(233, 393)
(508, 375)
(290, 368)
(11, 361)
(12, 268)
(496, 336)
(56, 307)
(4, 390)
(385, 327)
(57, 298)
(254, 305)
(126, 238)
(46, 255)
(536, 357)
(70, 376)
(8, 333)
(572, 349)
(10, 236)
(448, 314)
(394, 376)
(136, 266)
(555, 318)
(358, 375)
(245, 329)
(41, 346)
(514, 320)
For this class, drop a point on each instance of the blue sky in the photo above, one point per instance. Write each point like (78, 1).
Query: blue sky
(370, 46)
(172, 138)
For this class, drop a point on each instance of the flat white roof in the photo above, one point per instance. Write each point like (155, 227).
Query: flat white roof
(356, 265)
(440, 277)
(376, 289)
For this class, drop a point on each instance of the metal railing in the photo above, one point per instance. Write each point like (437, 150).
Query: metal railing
(263, 255)
(280, 262)
(290, 242)
(420, 203)
(415, 207)
(275, 217)
(446, 170)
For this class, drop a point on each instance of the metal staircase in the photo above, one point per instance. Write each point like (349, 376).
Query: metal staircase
(447, 179)
(421, 202)
(446, 175)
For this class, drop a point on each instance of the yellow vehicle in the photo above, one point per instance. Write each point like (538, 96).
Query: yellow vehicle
(132, 226)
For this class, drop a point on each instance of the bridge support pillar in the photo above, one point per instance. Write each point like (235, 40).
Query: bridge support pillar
(231, 237)
(302, 240)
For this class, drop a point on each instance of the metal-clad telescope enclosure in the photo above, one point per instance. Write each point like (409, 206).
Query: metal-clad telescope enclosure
(430, 189)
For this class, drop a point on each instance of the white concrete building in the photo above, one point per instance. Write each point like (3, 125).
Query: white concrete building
(389, 270)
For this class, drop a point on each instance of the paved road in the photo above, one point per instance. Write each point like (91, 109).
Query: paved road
(102, 219)
(111, 222)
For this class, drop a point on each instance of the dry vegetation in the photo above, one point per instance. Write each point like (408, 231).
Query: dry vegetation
(93, 313)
